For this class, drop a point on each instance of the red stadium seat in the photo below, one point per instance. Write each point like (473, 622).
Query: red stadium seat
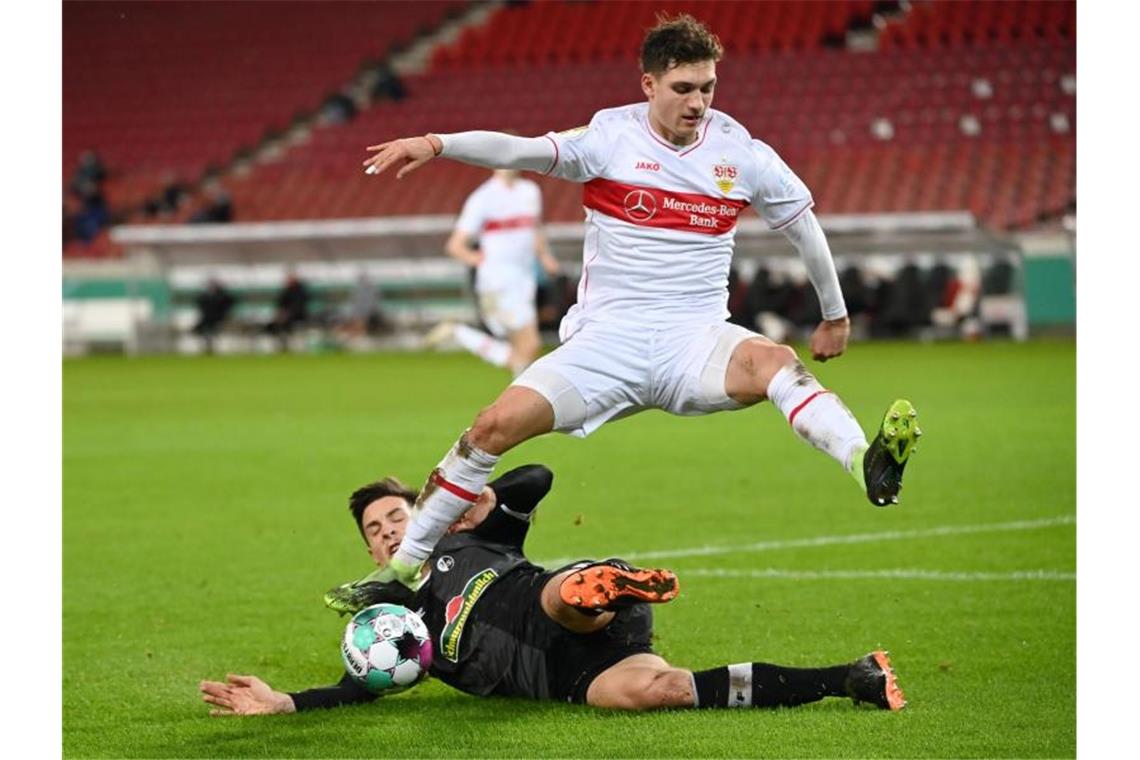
(183, 85)
(815, 105)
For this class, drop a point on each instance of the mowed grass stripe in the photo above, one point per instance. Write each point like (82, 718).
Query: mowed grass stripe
(906, 574)
(859, 538)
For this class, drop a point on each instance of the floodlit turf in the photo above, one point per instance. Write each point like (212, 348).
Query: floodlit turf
(205, 514)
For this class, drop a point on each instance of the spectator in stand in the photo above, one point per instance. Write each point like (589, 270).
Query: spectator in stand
(553, 297)
(169, 200)
(338, 108)
(737, 299)
(218, 208)
(386, 84)
(904, 303)
(856, 291)
(292, 309)
(93, 214)
(860, 299)
(766, 301)
(364, 315)
(214, 306)
(90, 170)
(87, 188)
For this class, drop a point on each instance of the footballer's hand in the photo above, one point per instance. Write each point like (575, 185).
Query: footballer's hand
(244, 695)
(830, 338)
(407, 154)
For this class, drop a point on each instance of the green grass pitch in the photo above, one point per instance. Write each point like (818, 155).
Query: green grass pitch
(205, 514)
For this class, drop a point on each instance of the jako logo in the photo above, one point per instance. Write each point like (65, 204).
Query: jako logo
(653, 167)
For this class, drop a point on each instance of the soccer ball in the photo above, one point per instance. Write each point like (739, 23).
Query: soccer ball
(386, 648)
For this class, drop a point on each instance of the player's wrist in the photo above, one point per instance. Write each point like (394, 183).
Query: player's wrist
(435, 143)
(284, 703)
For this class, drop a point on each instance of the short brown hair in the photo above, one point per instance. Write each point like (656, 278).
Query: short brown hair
(365, 495)
(678, 41)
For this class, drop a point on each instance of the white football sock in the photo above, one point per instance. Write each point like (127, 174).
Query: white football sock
(818, 416)
(486, 347)
(451, 489)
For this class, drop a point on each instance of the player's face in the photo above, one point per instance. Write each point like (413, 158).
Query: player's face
(384, 523)
(679, 98)
(386, 519)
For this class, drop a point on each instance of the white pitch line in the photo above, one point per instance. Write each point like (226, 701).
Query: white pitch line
(895, 574)
(851, 538)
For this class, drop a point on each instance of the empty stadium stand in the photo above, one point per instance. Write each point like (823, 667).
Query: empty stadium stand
(984, 122)
(965, 105)
(166, 89)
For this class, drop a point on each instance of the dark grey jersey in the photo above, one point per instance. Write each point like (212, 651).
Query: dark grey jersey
(464, 568)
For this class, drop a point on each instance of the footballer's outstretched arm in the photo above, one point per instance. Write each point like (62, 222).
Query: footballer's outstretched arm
(249, 695)
(344, 692)
(491, 150)
(830, 338)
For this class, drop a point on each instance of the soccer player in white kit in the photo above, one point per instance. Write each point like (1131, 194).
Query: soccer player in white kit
(504, 216)
(664, 184)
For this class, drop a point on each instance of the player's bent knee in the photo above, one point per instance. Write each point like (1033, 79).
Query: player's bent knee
(753, 366)
(487, 431)
(777, 355)
(518, 414)
(770, 358)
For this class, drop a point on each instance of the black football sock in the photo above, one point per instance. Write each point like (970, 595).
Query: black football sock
(759, 684)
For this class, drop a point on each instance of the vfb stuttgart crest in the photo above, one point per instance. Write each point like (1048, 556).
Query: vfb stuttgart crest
(725, 175)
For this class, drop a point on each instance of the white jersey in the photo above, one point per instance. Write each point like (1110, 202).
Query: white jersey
(504, 219)
(661, 219)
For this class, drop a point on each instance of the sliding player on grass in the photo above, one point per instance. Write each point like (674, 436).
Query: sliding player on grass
(664, 184)
(503, 626)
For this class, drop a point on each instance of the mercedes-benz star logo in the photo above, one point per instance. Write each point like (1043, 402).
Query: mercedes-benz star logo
(640, 205)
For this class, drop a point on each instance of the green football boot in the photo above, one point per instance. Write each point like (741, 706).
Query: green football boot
(386, 584)
(886, 458)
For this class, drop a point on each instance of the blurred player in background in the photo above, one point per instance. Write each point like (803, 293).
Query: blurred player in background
(502, 626)
(499, 232)
(664, 183)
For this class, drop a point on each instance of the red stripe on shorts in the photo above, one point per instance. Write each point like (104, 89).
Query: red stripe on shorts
(806, 401)
(452, 488)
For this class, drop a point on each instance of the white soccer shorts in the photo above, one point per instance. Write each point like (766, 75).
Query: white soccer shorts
(606, 372)
(507, 311)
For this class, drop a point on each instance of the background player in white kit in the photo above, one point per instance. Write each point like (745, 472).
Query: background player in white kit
(504, 217)
(664, 183)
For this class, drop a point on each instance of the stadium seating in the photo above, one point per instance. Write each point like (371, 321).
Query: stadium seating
(174, 87)
(612, 31)
(965, 105)
(934, 25)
